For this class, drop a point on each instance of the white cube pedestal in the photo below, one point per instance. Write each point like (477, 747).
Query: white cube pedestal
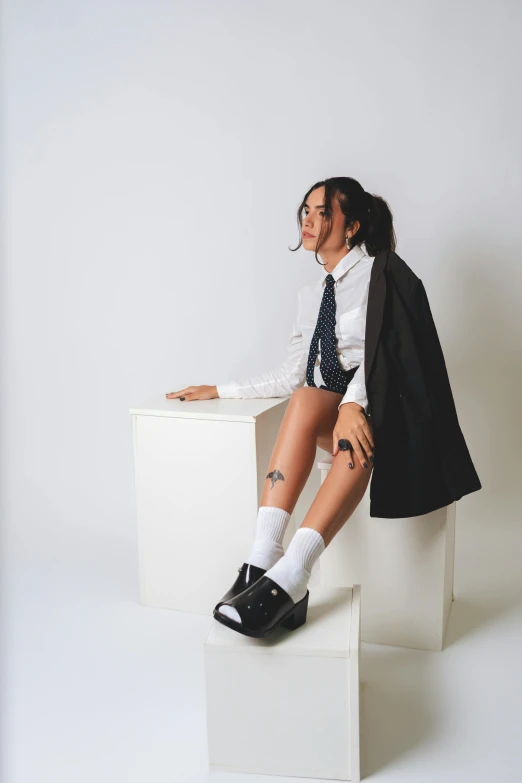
(288, 704)
(404, 566)
(200, 468)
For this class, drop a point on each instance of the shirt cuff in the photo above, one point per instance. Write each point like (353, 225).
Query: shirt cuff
(227, 390)
(355, 393)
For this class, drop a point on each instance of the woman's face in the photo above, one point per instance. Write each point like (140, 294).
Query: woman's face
(313, 213)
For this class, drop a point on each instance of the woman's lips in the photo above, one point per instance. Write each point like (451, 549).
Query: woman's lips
(306, 235)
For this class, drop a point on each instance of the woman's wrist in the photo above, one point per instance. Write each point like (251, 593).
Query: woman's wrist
(353, 404)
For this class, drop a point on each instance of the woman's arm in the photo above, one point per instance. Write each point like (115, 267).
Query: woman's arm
(278, 382)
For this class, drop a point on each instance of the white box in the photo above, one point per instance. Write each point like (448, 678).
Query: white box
(405, 568)
(288, 704)
(200, 469)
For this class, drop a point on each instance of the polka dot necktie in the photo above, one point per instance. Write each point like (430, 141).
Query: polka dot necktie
(336, 379)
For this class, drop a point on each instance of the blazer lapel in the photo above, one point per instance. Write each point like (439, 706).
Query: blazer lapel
(374, 311)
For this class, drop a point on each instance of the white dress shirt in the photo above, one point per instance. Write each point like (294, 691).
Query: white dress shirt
(352, 281)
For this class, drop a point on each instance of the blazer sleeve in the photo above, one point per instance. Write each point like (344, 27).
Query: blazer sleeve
(437, 378)
(421, 310)
(279, 382)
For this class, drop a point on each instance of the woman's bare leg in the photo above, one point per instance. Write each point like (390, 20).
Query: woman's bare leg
(339, 494)
(338, 497)
(310, 413)
(309, 421)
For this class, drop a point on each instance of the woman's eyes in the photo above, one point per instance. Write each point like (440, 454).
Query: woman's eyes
(305, 213)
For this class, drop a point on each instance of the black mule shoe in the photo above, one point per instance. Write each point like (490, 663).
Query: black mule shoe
(248, 575)
(264, 607)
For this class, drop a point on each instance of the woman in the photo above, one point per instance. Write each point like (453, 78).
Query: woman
(377, 396)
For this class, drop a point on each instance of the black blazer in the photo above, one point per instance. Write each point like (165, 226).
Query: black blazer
(421, 459)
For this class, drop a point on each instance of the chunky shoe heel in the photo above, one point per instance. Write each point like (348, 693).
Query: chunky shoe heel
(298, 616)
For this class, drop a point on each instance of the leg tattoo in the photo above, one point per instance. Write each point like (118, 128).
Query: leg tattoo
(275, 475)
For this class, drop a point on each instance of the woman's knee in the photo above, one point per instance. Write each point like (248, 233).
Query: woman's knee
(306, 394)
(307, 405)
(305, 400)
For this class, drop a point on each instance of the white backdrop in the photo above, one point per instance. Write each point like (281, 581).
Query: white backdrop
(154, 155)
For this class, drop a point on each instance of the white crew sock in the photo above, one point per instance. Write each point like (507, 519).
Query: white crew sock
(294, 569)
(267, 548)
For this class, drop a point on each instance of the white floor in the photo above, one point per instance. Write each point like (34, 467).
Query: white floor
(98, 688)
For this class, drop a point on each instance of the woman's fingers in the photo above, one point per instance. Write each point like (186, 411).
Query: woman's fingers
(349, 452)
(358, 449)
(194, 393)
(368, 431)
(364, 451)
(362, 446)
(366, 442)
(183, 393)
(335, 444)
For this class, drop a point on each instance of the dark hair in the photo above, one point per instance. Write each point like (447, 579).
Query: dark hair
(373, 213)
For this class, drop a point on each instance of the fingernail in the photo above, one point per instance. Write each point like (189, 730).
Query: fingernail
(350, 465)
(182, 398)
(365, 464)
(371, 459)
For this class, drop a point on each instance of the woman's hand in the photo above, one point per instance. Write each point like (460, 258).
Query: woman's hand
(194, 393)
(353, 425)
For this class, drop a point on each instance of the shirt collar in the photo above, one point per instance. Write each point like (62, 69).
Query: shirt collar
(350, 259)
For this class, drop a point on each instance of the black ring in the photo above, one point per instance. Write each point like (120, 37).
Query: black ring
(344, 444)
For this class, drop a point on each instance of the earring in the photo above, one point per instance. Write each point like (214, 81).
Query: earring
(347, 241)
